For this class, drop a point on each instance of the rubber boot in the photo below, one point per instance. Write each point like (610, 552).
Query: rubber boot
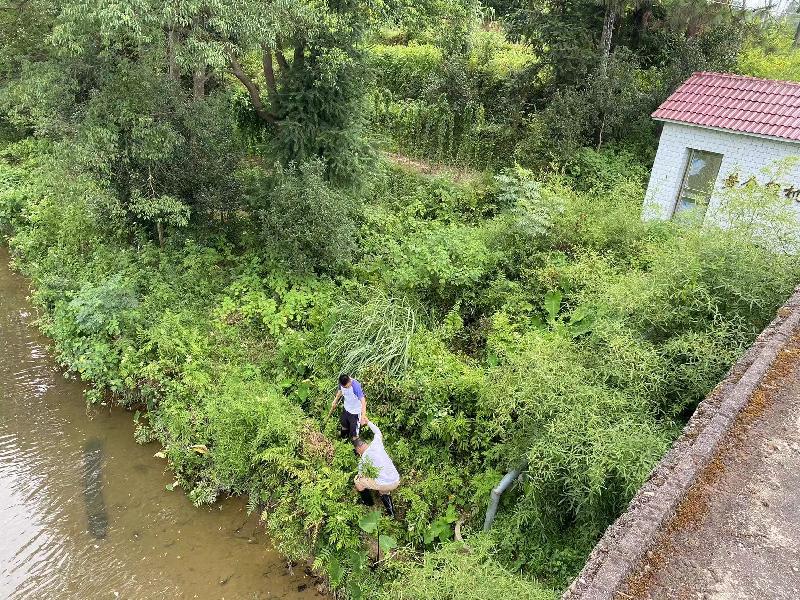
(366, 498)
(388, 504)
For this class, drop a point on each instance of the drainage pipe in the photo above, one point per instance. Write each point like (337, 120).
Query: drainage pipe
(504, 484)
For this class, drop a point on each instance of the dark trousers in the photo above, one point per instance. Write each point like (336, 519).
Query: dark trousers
(350, 425)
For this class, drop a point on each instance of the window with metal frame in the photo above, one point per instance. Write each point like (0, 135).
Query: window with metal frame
(702, 169)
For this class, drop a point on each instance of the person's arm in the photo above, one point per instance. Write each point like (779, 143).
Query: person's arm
(335, 401)
(360, 395)
(377, 432)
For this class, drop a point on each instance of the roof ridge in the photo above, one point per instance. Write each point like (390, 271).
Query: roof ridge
(738, 76)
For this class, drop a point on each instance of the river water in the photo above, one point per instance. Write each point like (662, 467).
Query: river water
(84, 513)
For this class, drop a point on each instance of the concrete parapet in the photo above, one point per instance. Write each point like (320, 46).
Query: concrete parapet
(620, 552)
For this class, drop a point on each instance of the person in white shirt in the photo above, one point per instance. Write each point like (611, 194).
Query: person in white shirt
(384, 477)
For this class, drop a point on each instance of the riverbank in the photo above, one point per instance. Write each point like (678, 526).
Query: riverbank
(84, 510)
(222, 358)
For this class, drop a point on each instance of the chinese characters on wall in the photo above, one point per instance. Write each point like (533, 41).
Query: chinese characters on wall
(791, 192)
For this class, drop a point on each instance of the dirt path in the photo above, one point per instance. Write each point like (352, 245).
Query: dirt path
(423, 167)
(737, 535)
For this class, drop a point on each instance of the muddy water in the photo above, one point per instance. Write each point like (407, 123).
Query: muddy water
(83, 509)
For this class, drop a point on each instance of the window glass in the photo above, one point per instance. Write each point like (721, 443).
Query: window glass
(701, 173)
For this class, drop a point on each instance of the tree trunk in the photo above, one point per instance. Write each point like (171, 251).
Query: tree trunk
(642, 17)
(600, 133)
(609, 22)
(797, 36)
(252, 89)
(282, 62)
(299, 56)
(160, 230)
(172, 51)
(199, 84)
(269, 76)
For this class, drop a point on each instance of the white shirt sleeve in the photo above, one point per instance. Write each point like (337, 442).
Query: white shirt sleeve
(377, 432)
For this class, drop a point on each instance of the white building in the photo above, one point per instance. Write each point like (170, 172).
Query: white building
(720, 131)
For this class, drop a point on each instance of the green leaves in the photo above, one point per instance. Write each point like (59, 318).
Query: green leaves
(349, 567)
(579, 322)
(579, 314)
(335, 571)
(166, 209)
(376, 334)
(441, 529)
(306, 221)
(552, 304)
(386, 543)
(369, 522)
(459, 571)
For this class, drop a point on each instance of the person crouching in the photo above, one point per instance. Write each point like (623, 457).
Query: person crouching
(385, 477)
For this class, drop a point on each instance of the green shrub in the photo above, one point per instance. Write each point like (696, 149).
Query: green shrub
(309, 223)
(372, 336)
(438, 132)
(12, 199)
(461, 571)
(456, 109)
(605, 169)
(491, 52)
(405, 71)
(435, 261)
(774, 57)
(250, 428)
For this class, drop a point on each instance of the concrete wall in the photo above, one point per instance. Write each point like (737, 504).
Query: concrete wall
(619, 554)
(746, 155)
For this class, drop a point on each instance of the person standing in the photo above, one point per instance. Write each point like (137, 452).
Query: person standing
(376, 471)
(354, 413)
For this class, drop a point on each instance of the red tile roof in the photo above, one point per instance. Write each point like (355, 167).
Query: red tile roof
(736, 103)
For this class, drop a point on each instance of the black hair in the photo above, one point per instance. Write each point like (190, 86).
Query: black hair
(357, 443)
(344, 379)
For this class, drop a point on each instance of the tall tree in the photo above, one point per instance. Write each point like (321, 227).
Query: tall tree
(793, 12)
(614, 11)
(297, 61)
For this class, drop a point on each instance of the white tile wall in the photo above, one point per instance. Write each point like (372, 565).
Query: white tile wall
(746, 155)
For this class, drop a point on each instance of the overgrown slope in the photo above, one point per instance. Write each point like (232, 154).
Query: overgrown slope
(503, 321)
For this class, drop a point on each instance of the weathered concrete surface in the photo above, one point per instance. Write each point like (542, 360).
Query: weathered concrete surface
(635, 546)
(737, 535)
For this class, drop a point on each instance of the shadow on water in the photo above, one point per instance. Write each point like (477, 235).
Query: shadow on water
(93, 488)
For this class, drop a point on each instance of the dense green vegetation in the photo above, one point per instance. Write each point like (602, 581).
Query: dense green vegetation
(199, 196)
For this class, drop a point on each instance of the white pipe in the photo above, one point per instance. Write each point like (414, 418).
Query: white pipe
(504, 484)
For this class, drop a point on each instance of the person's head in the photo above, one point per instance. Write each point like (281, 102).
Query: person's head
(344, 380)
(359, 446)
